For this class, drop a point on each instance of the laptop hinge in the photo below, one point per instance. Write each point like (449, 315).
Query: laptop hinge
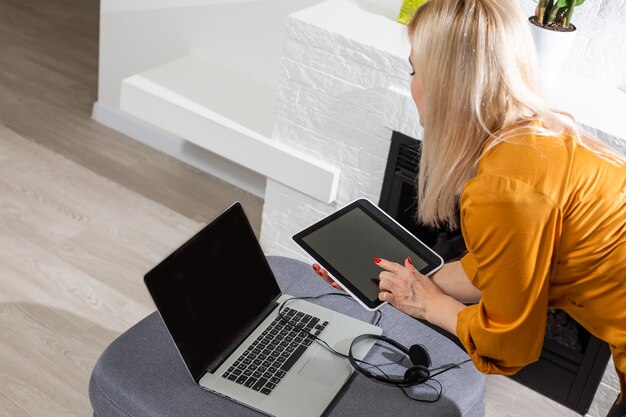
(240, 339)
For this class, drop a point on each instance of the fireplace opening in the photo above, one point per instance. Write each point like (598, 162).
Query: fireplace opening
(572, 360)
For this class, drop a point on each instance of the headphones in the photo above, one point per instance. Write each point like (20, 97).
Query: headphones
(415, 375)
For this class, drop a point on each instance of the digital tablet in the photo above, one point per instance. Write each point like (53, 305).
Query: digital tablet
(346, 242)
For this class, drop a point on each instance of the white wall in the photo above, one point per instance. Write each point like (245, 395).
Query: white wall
(245, 36)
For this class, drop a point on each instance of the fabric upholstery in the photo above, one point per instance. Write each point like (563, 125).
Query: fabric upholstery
(141, 374)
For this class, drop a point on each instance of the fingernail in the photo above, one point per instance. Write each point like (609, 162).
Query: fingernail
(334, 285)
(320, 273)
(315, 267)
(377, 260)
(409, 259)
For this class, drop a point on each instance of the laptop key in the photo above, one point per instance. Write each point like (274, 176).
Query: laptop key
(281, 374)
(274, 380)
(241, 379)
(259, 384)
(232, 377)
(249, 382)
(293, 358)
(266, 391)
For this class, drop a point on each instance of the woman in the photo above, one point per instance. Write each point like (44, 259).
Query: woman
(543, 205)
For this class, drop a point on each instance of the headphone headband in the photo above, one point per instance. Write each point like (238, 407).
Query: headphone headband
(417, 374)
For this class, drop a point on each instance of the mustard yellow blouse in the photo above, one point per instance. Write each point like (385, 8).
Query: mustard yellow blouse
(544, 221)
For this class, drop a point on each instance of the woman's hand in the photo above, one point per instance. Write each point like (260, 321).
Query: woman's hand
(409, 291)
(406, 289)
(324, 274)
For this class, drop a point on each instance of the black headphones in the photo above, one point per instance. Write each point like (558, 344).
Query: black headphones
(415, 375)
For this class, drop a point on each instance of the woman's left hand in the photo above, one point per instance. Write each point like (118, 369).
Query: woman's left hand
(408, 290)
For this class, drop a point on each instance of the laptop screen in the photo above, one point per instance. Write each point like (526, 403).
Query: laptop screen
(212, 289)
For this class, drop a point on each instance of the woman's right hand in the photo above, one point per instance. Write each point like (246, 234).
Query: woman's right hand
(324, 274)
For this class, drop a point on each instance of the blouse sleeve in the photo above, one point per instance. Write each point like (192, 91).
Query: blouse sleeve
(511, 232)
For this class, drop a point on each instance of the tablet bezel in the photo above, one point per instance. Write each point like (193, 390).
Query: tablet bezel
(433, 260)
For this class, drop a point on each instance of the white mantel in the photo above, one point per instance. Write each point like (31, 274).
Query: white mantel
(344, 87)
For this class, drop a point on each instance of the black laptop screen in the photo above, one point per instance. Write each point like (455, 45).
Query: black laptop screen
(212, 289)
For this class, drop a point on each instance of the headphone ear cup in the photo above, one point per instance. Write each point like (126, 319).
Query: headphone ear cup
(419, 356)
(416, 375)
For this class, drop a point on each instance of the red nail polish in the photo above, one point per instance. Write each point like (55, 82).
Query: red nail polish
(320, 273)
(409, 259)
(315, 267)
(377, 260)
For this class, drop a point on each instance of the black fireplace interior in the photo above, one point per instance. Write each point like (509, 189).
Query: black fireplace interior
(572, 361)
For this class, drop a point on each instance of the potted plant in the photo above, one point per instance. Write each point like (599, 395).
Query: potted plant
(553, 33)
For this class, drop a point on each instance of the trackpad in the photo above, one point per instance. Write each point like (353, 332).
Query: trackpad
(324, 368)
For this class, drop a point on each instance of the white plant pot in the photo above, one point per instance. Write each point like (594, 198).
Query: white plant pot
(552, 47)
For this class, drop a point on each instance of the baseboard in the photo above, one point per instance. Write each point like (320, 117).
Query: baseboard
(180, 149)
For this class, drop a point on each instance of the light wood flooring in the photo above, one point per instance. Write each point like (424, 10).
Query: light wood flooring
(84, 212)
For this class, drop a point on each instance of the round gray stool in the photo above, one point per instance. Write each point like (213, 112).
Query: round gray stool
(142, 375)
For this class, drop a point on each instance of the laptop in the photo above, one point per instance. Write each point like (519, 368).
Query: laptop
(219, 301)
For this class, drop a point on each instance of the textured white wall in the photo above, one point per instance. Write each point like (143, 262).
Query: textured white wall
(331, 101)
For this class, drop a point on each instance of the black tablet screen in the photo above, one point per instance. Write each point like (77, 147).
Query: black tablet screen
(351, 242)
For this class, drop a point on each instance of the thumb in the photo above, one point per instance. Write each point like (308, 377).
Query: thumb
(408, 264)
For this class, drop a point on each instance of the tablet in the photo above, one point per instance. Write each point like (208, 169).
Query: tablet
(346, 242)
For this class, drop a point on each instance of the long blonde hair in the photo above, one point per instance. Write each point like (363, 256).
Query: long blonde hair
(476, 63)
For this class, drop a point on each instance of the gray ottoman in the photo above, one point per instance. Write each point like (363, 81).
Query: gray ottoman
(141, 374)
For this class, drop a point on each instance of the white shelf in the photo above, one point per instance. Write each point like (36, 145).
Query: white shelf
(228, 115)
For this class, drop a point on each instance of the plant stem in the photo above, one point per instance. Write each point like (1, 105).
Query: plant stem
(570, 11)
(540, 11)
(552, 15)
(548, 10)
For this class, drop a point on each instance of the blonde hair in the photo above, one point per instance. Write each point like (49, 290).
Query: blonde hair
(476, 63)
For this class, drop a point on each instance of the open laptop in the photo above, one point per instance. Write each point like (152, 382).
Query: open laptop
(219, 301)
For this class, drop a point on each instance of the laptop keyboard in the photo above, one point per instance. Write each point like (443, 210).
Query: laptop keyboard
(268, 359)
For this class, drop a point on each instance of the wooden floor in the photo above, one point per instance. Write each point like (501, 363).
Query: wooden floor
(84, 212)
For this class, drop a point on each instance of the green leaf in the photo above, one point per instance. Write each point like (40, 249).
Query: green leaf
(563, 3)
